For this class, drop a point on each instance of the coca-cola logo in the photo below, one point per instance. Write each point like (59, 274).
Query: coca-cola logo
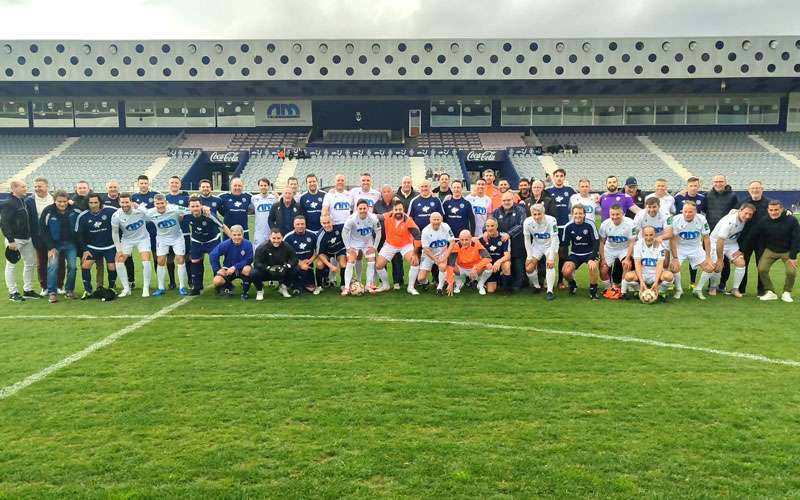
(226, 157)
(482, 156)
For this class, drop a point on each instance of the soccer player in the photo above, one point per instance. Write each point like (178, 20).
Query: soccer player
(662, 224)
(331, 254)
(235, 206)
(540, 232)
(111, 199)
(617, 236)
(489, 178)
(132, 223)
(93, 227)
(510, 219)
(365, 191)
(283, 212)
(311, 203)
(237, 257)
(169, 236)
(208, 199)
(458, 212)
(561, 194)
(262, 204)
(585, 197)
(304, 243)
(481, 205)
(436, 239)
(581, 241)
(667, 201)
(293, 184)
(613, 196)
(36, 205)
(421, 207)
(779, 234)
(402, 235)
(273, 260)
(500, 253)
(631, 188)
(691, 193)
(469, 259)
(443, 189)
(406, 192)
(57, 231)
(338, 203)
(180, 198)
(724, 240)
(360, 233)
(690, 241)
(649, 266)
(145, 198)
(204, 236)
(17, 222)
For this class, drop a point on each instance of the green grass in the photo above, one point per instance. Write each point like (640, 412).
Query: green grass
(198, 407)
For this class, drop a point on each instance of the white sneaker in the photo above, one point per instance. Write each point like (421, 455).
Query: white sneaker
(317, 290)
(699, 294)
(61, 291)
(43, 293)
(678, 294)
(345, 291)
(260, 295)
(412, 291)
(145, 292)
(396, 286)
(481, 290)
(457, 289)
(768, 295)
(787, 297)
(126, 292)
(284, 291)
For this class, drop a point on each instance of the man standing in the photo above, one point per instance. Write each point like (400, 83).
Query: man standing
(666, 200)
(235, 206)
(262, 204)
(402, 237)
(481, 205)
(581, 239)
(132, 223)
(208, 199)
(94, 231)
(541, 243)
(613, 196)
(510, 219)
(436, 239)
(180, 198)
(539, 195)
(283, 212)
(690, 241)
(16, 223)
(383, 205)
(561, 194)
(57, 230)
(405, 192)
(719, 201)
(779, 233)
(458, 212)
(311, 203)
(145, 198)
(524, 190)
(443, 189)
(617, 236)
(585, 197)
(757, 199)
(632, 190)
(167, 220)
(365, 191)
(338, 203)
(692, 193)
(79, 198)
(725, 244)
(421, 207)
(40, 200)
(204, 236)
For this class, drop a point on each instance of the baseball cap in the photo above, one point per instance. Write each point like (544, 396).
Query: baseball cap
(631, 181)
(12, 255)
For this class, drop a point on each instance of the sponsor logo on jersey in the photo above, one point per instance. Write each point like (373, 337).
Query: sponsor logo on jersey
(439, 243)
(617, 239)
(479, 210)
(264, 207)
(341, 205)
(689, 235)
(167, 223)
(133, 227)
(363, 231)
(649, 262)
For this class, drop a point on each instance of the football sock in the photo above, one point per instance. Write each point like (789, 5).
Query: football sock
(181, 275)
(550, 276)
(147, 274)
(161, 276)
(122, 273)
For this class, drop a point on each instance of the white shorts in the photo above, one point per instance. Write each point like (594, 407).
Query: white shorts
(648, 280)
(695, 256)
(538, 252)
(163, 245)
(389, 251)
(360, 246)
(127, 246)
(727, 250)
(426, 264)
(612, 254)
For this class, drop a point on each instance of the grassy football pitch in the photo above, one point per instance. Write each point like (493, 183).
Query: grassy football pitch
(400, 396)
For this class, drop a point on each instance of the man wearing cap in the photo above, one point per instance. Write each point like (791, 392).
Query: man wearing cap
(17, 222)
(632, 190)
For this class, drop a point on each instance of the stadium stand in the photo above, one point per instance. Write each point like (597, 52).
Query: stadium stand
(385, 170)
(788, 142)
(528, 166)
(206, 142)
(463, 140)
(501, 140)
(176, 166)
(268, 140)
(259, 166)
(17, 151)
(439, 164)
(357, 137)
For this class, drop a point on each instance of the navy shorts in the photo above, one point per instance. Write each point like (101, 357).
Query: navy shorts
(199, 250)
(494, 278)
(579, 260)
(333, 257)
(235, 276)
(99, 255)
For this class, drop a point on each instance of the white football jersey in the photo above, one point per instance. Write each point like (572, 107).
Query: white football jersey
(262, 205)
(133, 224)
(589, 204)
(372, 196)
(168, 224)
(482, 208)
(541, 234)
(339, 205)
(666, 203)
(360, 233)
(689, 234)
(437, 240)
(617, 236)
(659, 222)
(649, 257)
(728, 228)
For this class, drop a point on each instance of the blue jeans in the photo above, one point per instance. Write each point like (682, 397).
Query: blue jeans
(70, 253)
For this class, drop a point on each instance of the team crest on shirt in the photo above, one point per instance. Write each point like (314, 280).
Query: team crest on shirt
(103, 217)
(302, 246)
(214, 204)
(308, 240)
(460, 205)
(559, 199)
(237, 204)
(431, 203)
(425, 209)
(242, 252)
(313, 204)
(585, 231)
(204, 223)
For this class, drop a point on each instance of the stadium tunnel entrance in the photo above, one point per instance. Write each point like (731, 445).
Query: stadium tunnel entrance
(217, 166)
(473, 163)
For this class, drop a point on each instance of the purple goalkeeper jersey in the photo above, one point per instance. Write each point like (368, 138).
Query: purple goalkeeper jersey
(608, 200)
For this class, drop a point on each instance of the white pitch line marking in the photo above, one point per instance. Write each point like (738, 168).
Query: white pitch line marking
(10, 390)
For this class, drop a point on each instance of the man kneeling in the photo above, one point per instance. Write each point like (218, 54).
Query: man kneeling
(467, 258)
(648, 259)
(274, 260)
(237, 255)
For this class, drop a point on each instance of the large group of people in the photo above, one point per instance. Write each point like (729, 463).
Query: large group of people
(448, 237)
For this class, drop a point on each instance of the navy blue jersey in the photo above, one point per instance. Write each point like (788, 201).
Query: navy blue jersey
(420, 209)
(699, 199)
(232, 255)
(110, 202)
(561, 196)
(235, 208)
(330, 243)
(495, 246)
(94, 229)
(312, 208)
(145, 200)
(202, 229)
(181, 199)
(212, 202)
(304, 245)
(581, 238)
(458, 215)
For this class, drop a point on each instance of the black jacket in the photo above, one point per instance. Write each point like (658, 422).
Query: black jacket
(275, 218)
(406, 199)
(762, 214)
(546, 200)
(267, 255)
(56, 228)
(15, 220)
(719, 204)
(380, 207)
(638, 200)
(779, 235)
(511, 223)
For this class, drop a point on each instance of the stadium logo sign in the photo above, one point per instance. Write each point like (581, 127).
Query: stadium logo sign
(283, 110)
(484, 156)
(224, 157)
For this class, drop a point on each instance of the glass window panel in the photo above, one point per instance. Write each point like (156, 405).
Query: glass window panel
(13, 113)
(639, 112)
(235, 113)
(140, 114)
(515, 113)
(732, 111)
(476, 113)
(170, 113)
(608, 111)
(701, 111)
(96, 113)
(445, 113)
(670, 112)
(53, 113)
(764, 110)
(577, 112)
(200, 113)
(547, 112)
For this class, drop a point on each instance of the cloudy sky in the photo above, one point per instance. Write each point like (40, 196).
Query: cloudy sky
(165, 19)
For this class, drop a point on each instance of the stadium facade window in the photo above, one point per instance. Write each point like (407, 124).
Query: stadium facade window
(608, 111)
(476, 113)
(577, 112)
(235, 113)
(546, 112)
(670, 111)
(445, 113)
(639, 112)
(732, 111)
(516, 113)
(763, 110)
(96, 112)
(13, 113)
(701, 111)
(53, 112)
(140, 113)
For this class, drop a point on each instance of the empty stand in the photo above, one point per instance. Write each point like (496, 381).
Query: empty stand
(385, 170)
(501, 140)
(357, 137)
(461, 140)
(18, 151)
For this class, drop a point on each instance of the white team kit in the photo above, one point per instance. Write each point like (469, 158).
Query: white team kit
(689, 238)
(168, 229)
(660, 222)
(541, 239)
(650, 256)
(262, 205)
(372, 196)
(590, 206)
(482, 208)
(616, 238)
(339, 206)
(666, 203)
(134, 230)
(728, 229)
(437, 241)
(360, 234)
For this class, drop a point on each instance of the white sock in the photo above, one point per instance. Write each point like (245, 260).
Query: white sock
(738, 276)
(701, 283)
(606, 284)
(332, 276)
(358, 269)
(413, 272)
(442, 279)
(122, 275)
(550, 277)
(371, 272)
(485, 275)
(384, 276)
(348, 274)
(161, 275)
(182, 277)
(533, 278)
(663, 287)
(147, 274)
(714, 281)
(678, 282)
